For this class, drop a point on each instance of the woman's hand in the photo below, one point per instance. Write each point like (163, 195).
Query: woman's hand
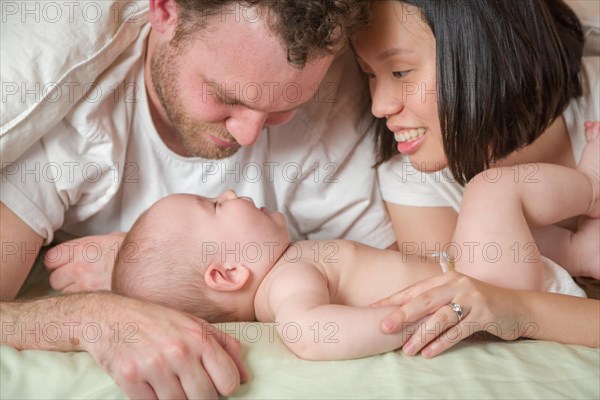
(484, 308)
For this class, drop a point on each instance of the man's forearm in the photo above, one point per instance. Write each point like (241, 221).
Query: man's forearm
(60, 323)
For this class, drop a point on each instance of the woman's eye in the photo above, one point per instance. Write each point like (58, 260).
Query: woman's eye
(369, 75)
(400, 74)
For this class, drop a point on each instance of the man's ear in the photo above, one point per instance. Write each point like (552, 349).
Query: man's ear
(163, 16)
(226, 278)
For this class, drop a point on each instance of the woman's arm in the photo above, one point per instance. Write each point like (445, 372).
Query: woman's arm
(508, 314)
(422, 230)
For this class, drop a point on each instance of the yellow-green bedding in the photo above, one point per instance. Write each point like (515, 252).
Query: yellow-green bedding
(517, 370)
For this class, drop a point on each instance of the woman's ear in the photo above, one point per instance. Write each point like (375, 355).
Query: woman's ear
(226, 278)
(163, 16)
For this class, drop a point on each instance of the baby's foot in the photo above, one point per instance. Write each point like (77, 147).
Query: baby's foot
(590, 164)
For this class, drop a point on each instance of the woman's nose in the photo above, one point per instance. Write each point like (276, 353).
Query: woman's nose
(385, 102)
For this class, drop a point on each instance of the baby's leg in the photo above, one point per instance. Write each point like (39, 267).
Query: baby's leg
(590, 165)
(585, 241)
(492, 237)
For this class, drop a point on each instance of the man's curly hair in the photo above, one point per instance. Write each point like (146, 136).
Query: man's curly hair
(307, 28)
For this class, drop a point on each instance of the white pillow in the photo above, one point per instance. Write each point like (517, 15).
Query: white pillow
(51, 53)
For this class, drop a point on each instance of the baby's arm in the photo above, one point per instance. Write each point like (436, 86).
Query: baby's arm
(314, 329)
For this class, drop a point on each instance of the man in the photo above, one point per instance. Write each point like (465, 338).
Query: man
(181, 108)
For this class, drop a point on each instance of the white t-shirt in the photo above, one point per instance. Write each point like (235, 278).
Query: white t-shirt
(103, 164)
(402, 184)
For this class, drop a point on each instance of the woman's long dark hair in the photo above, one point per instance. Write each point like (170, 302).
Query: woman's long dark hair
(506, 69)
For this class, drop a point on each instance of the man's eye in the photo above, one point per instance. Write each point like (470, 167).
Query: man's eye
(225, 102)
(228, 103)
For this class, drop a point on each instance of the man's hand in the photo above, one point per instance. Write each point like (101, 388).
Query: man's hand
(166, 354)
(84, 264)
(149, 350)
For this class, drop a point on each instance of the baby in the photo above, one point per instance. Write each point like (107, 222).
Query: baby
(224, 259)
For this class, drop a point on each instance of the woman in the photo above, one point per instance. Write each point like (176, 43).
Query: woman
(463, 87)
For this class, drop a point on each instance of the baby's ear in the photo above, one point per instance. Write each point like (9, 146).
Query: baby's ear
(226, 278)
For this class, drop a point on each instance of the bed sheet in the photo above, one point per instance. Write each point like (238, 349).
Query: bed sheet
(492, 370)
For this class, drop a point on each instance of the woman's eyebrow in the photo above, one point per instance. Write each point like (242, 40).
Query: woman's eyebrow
(392, 52)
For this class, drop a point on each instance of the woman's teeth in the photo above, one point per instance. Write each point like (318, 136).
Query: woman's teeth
(409, 134)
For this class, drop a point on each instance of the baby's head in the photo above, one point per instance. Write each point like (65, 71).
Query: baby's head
(203, 256)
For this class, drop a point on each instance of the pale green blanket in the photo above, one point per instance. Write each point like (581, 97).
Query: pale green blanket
(518, 370)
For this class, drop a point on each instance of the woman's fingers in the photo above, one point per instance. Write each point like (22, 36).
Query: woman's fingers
(442, 325)
(451, 337)
(409, 293)
(441, 311)
(418, 307)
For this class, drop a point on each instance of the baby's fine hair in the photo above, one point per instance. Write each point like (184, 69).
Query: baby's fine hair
(154, 265)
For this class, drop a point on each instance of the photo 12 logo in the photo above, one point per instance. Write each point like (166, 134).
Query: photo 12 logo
(73, 332)
(56, 12)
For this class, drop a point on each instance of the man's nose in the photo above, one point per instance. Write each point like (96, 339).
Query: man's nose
(246, 126)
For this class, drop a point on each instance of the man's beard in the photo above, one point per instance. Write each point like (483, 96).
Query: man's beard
(192, 133)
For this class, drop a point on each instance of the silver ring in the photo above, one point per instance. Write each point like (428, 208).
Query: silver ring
(457, 309)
